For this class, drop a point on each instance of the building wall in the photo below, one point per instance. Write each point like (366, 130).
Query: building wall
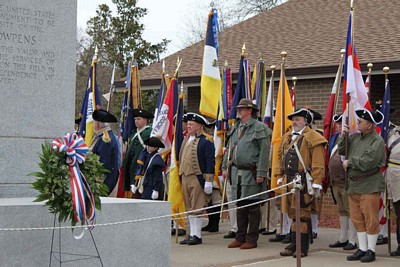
(315, 94)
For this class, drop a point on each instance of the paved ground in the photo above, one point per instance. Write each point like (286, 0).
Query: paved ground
(214, 252)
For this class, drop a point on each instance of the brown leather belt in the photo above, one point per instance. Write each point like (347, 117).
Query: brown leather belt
(368, 174)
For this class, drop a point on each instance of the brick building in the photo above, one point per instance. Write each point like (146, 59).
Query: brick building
(312, 32)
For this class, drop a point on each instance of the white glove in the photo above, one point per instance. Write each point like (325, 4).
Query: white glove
(133, 188)
(279, 181)
(154, 195)
(317, 189)
(208, 188)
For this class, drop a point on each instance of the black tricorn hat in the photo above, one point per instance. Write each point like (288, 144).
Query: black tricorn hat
(154, 142)
(78, 120)
(303, 112)
(316, 116)
(337, 118)
(138, 112)
(247, 103)
(103, 116)
(198, 118)
(372, 116)
(187, 116)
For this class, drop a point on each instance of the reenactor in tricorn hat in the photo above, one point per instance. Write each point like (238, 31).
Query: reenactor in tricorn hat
(136, 145)
(197, 162)
(301, 151)
(366, 157)
(246, 166)
(106, 146)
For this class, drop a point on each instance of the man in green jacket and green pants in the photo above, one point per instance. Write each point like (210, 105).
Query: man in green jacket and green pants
(248, 158)
(366, 156)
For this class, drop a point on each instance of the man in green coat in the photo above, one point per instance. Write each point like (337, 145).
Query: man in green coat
(366, 156)
(248, 160)
(135, 146)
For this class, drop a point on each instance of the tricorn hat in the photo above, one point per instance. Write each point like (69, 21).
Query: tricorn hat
(378, 106)
(103, 116)
(247, 103)
(187, 116)
(316, 116)
(138, 112)
(303, 112)
(154, 142)
(337, 118)
(198, 118)
(372, 116)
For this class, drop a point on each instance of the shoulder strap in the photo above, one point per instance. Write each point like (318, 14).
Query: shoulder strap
(394, 144)
(300, 157)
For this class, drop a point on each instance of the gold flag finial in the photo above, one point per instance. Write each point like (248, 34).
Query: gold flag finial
(369, 66)
(294, 79)
(272, 67)
(96, 51)
(226, 63)
(163, 66)
(283, 55)
(343, 51)
(386, 70)
(244, 52)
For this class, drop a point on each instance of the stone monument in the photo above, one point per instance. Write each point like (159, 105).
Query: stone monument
(37, 85)
(37, 103)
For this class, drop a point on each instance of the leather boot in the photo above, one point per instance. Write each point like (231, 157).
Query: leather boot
(305, 245)
(291, 249)
(213, 221)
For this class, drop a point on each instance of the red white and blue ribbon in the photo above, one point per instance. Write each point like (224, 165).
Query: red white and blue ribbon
(75, 148)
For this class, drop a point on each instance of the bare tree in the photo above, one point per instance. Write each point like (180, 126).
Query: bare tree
(230, 12)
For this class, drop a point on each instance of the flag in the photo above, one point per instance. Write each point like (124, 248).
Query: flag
(353, 83)
(210, 78)
(293, 97)
(219, 140)
(259, 85)
(91, 102)
(240, 90)
(160, 99)
(227, 94)
(175, 195)
(328, 121)
(164, 125)
(383, 127)
(281, 123)
(268, 117)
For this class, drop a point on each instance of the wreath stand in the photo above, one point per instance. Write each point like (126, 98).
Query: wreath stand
(76, 257)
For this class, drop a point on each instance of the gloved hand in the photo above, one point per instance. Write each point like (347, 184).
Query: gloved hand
(317, 189)
(154, 195)
(279, 181)
(133, 188)
(208, 188)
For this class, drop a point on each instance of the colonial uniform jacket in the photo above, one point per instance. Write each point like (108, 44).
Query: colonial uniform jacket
(312, 151)
(129, 164)
(198, 158)
(366, 155)
(108, 153)
(153, 179)
(250, 158)
(393, 170)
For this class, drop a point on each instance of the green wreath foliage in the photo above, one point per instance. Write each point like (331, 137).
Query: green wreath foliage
(53, 182)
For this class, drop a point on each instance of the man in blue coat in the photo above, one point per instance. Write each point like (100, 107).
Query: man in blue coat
(105, 145)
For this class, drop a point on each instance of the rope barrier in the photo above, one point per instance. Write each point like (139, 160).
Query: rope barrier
(165, 216)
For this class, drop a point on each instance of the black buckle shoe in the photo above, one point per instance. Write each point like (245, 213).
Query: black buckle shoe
(287, 239)
(277, 238)
(231, 234)
(185, 241)
(338, 244)
(395, 253)
(368, 257)
(269, 232)
(382, 240)
(350, 246)
(194, 241)
(357, 255)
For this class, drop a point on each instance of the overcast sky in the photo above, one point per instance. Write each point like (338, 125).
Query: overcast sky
(163, 20)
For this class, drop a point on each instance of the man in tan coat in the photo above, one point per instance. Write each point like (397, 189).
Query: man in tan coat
(310, 145)
(196, 171)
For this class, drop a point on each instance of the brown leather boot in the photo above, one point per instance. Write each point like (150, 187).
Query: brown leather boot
(248, 245)
(235, 244)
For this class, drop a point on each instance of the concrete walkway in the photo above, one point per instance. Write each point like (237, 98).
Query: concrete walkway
(214, 252)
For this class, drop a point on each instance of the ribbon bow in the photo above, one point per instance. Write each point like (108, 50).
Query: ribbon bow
(75, 148)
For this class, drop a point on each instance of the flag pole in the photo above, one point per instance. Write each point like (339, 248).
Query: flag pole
(387, 200)
(111, 87)
(369, 66)
(294, 80)
(273, 68)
